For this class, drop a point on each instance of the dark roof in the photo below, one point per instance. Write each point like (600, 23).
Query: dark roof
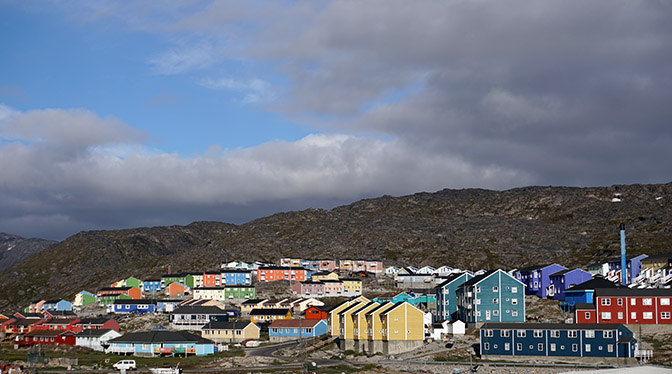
(161, 336)
(152, 280)
(352, 307)
(532, 268)
(58, 321)
(323, 308)
(379, 307)
(62, 313)
(199, 309)
(93, 321)
(94, 332)
(613, 259)
(450, 279)
(134, 301)
(221, 325)
(561, 272)
(633, 292)
(592, 284)
(252, 301)
(176, 275)
(477, 278)
(658, 256)
(114, 289)
(208, 288)
(281, 268)
(626, 339)
(235, 271)
(49, 333)
(584, 306)
(269, 312)
(550, 326)
(32, 315)
(54, 301)
(295, 323)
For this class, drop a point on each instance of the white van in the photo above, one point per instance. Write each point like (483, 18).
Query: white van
(125, 365)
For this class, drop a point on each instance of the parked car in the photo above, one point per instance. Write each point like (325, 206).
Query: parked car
(125, 365)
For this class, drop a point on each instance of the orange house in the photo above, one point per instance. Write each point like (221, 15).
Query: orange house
(212, 279)
(275, 273)
(177, 289)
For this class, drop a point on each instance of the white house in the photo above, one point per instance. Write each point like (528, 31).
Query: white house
(392, 270)
(426, 270)
(95, 338)
(441, 330)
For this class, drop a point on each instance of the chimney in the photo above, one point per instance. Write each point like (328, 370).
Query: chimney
(624, 270)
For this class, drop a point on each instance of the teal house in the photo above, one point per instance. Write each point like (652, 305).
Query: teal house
(494, 296)
(161, 342)
(446, 296)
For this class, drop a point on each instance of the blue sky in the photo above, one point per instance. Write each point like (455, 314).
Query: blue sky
(121, 114)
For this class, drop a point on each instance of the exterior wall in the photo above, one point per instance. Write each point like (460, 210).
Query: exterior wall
(61, 305)
(360, 325)
(27, 341)
(651, 310)
(133, 308)
(352, 287)
(282, 273)
(330, 276)
(585, 316)
(279, 334)
(152, 286)
(240, 292)
(270, 317)
(177, 289)
(403, 322)
(447, 300)
(562, 282)
(497, 298)
(215, 293)
(251, 331)
(232, 278)
(212, 279)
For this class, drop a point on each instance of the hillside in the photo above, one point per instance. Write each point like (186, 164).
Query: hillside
(15, 248)
(471, 228)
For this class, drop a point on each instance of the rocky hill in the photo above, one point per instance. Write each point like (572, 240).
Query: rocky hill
(15, 248)
(470, 228)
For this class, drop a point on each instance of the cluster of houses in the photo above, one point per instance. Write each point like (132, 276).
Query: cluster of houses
(433, 303)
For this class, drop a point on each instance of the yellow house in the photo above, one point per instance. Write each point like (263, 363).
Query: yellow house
(212, 293)
(324, 275)
(347, 325)
(267, 315)
(361, 326)
(230, 331)
(403, 328)
(375, 323)
(248, 305)
(345, 265)
(334, 318)
(352, 286)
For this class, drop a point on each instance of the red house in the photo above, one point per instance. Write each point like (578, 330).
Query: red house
(46, 337)
(20, 326)
(96, 323)
(318, 312)
(627, 306)
(62, 324)
(212, 279)
(275, 273)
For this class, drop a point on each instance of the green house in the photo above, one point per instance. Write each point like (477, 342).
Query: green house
(184, 278)
(133, 282)
(240, 292)
(106, 300)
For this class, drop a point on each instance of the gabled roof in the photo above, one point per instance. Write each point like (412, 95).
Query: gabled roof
(120, 289)
(93, 321)
(477, 279)
(221, 325)
(49, 333)
(351, 308)
(364, 307)
(584, 306)
(94, 332)
(58, 321)
(592, 284)
(550, 326)
(533, 267)
(163, 336)
(134, 302)
(269, 312)
(397, 305)
(295, 323)
(54, 301)
(253, 301)
(450, 279)
(563, 272)
(382, 306)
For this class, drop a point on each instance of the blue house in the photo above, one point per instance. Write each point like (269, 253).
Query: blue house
(556, 339)
(151, 285)
(565, 279)
(584, 293)
(126, 306)
(493, 296)
(446, 296)
(632, 263)
(161, 342)
(57, 306)
(537, 278)
(235, 277)
(292, 329)
(167, 305)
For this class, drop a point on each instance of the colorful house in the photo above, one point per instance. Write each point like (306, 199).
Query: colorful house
(235, 277)
(212, 279)
(63, 324)
(352, 286)
(95, 323)
(56, 305)
(184, 278)
(403, 328)
(324, 275)
(240, 292)
(151, 285)
(584, 293)
(268, 315)
(133, 282)
(611, 268)
(212, 293)
(84, 298)
(107, 296)
(537, 278)
(494, 296)
(375, 322)
(346, 328)
(21, 325)
(230, 331)
(177, 289)
(46, 337)
(127, 306)
(292, 329)
(557, 340)
(334, 316)
(248, 305)
(318, 312)
(628, 306)
(95, 339)
(360, 325)
(36, 306)
(564, 279)
(446, 296)
(161, 342)
(275, 273)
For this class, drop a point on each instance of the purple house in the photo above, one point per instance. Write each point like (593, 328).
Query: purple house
(564, 279)
(537, 278)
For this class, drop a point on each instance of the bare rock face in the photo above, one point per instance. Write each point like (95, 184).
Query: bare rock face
(15, 248)
(470, 229)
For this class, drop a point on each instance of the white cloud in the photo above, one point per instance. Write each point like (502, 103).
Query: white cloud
(254, 90)
(184, 57)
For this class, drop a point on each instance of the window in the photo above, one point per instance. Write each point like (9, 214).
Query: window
(486, 346)
(575, 347)
(495, 312)
(555, 333)
(665, 315)
(648, 315)
(587, 315)
(495, 301)
(309, 331)
(619, 301)
(488, 333)
(607, 334)
(633, 315)
(519, 347)
(620, 315)
(665, 301)
(590, 333)
(514, 313)
(520, 333)
(606, 315)
(478, 289)
(514, 301)
(647, 301)
(605, 301)
(610, 347)
(514, 289)
(587, 347)
(571, 333)
(505, 333)
(495, 289)
(507, 346)
(538, 334)
(552, 347)
(633, 301)
(540, 347)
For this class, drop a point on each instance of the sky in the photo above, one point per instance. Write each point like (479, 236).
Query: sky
(120, 114)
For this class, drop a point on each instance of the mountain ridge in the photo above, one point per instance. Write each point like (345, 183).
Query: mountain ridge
(468, 228)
